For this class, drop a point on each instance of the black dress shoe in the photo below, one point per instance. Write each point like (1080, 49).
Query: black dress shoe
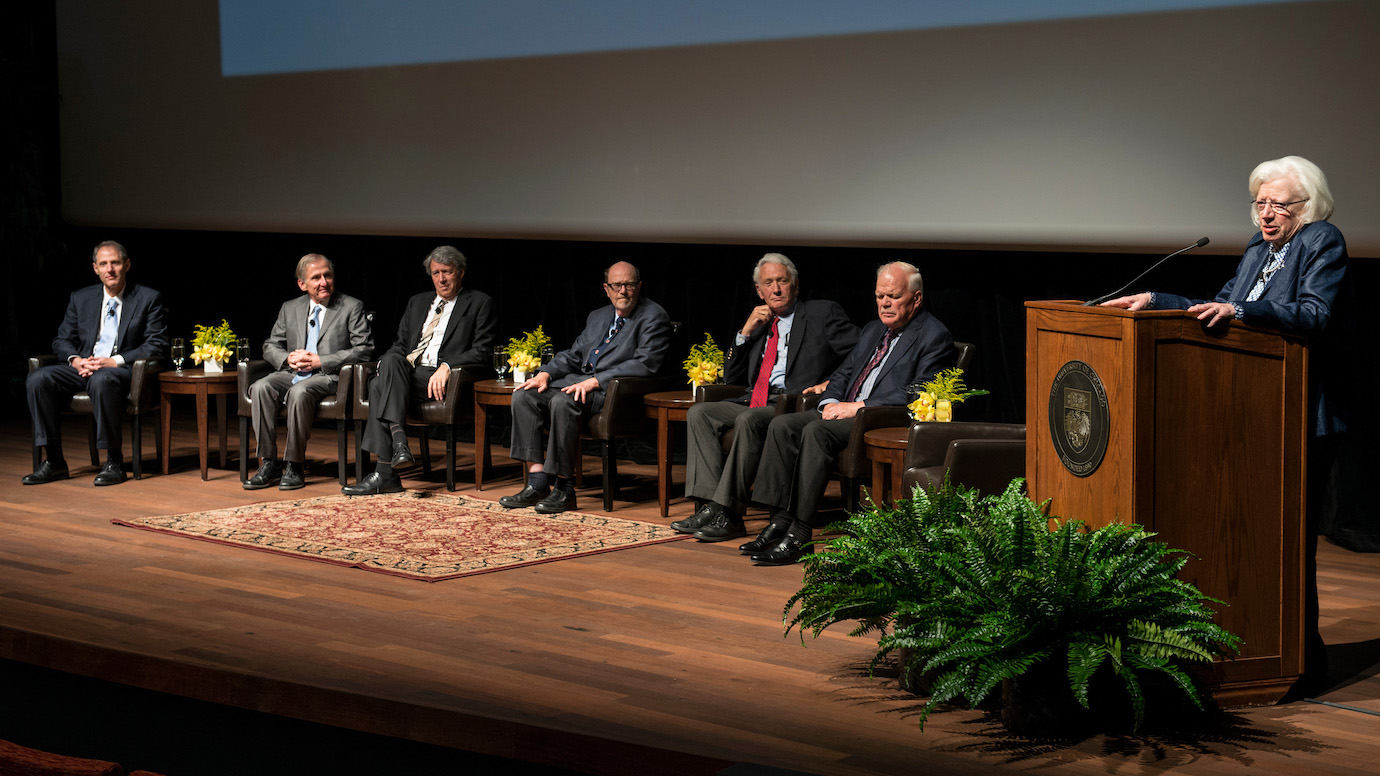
(373, 485)
(698, 520)
(784, 554)
(110, 474)
(767, 539)
(45, 473)
(268, 475)
(723, 527)
(292, 477)
(527, 497)
(559, 501)
(402, 457)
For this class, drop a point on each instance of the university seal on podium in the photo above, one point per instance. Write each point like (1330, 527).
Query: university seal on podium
(1078, 418)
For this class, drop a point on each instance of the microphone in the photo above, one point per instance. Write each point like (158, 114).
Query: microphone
(1201, 242)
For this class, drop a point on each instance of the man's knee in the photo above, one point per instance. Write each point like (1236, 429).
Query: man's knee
(103, 380)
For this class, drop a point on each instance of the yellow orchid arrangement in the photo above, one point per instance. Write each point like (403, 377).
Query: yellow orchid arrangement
(936, 397)
(212, 343)
(705, 364)
(524, 353)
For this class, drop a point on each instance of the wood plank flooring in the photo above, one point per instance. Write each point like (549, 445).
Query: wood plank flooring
(668, 658)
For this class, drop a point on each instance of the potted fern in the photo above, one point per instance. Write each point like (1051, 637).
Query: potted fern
(986, 597)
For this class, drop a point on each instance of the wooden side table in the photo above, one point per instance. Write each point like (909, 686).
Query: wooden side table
(886, 449)
(195, 382)
(664, 407)
(488, 393)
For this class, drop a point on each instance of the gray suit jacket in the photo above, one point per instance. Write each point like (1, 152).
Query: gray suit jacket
(346, 336)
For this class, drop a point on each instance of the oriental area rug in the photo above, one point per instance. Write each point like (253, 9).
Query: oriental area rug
(420, 536)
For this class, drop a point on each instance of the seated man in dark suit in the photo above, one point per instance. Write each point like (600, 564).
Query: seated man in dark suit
(105, 329)
(905, 345)
(627, 338)
(315, 335)
(449, 328)
(785, 346)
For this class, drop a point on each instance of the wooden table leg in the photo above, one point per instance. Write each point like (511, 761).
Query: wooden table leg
(201, 423)
(879, 482)
(898, 462)
(481, 444)
(663, 460)
(165, 402)
(220, 416)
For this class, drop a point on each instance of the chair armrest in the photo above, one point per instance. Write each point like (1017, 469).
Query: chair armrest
(359, 408)
(143, 383)
(38, 362)
(623, 412)
(853, 462)
(246, 374)
(716, 392)
(928, 442)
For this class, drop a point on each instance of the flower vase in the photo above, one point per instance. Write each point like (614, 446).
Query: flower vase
(212, 367)
(943, 411)
(519, 377)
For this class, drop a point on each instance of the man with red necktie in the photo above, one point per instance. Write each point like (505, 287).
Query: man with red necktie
(786, 346)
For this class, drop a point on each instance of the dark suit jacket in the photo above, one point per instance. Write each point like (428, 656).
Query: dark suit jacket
(346, 336)
(469, 335)
(142, 334)
(638, 351)
(1313, 295)
(925, 348)
(821, 337)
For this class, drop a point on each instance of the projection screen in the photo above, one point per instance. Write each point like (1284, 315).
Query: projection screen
(1130, 132)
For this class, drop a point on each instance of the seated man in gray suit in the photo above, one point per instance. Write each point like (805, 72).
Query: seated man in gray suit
(905, 345)
(450, 328)
(315, 335)
(627, 338)
(785, 346)
(106, 328)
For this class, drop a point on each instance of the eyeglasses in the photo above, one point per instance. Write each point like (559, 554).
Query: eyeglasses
(623, 286)
(1281, 208)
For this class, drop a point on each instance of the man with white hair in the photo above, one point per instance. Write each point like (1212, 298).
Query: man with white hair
(785, 346)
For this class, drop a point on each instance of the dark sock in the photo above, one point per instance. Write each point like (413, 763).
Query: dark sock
(385, 470)
(565, 485)
(114, 457)
(799, 531)
(398, 432)
(537, 480)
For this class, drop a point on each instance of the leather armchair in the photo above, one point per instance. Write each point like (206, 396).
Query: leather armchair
(985, 456)
(142, 400)
(456, 409)
(336, 407)
(623, 415)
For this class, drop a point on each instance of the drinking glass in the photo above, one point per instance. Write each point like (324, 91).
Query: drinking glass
(242, 350)
(179, 352)
(547, 353)
(501, 364)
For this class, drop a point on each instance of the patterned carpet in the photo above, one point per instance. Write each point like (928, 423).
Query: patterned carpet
(419, 536)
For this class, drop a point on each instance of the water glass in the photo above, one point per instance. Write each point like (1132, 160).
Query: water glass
(501, 364)
(242, 350)
(179, 352)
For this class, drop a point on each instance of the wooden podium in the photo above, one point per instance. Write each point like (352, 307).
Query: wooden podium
(1205, 438)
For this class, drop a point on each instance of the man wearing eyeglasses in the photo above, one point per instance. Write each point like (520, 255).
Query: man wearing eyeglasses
(450, 328)
(1295, 277)
(628, 338)
(785, 346)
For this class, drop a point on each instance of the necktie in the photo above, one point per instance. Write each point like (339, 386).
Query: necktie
(613, 332)
(110, 324)
(763, 384)
(877, 357)
(313, 339)
(428, 332)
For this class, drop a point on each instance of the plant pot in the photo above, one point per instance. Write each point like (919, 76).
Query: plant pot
(1040, 704)
(520, 377)
(212, 367)
(913, 680)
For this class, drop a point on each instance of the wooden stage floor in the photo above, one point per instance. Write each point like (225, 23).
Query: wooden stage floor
(668, 658)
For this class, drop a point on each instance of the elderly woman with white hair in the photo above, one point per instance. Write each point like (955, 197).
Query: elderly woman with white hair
(1294, 277)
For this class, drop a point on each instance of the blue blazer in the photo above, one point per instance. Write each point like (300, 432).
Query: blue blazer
(637, 351)
(1312, 295)
(925, 348)
(143, 328)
